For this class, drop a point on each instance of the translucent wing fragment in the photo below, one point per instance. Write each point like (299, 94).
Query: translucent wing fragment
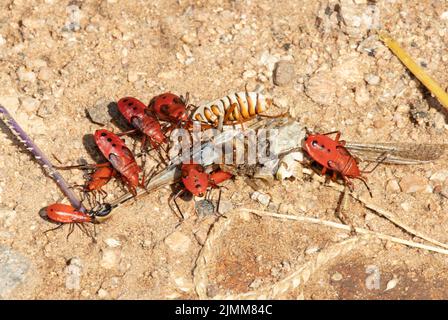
(398, 153)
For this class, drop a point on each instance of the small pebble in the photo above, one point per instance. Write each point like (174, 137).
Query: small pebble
(109, 259)
(29, 104)
(284, 73)
(249, 74)
(312, 250)
(73, 272)
(225, 206)
(26, 76)
(188, 38)
(372, 79)
(256, 284)
(362, 96)
(321, 88)
(133, 76)
(413, 183)
(178, 242)
(440, 176)
(336, 276)
(46, 109)
(11, 102)
(112, 243)
(13, 269)
(2, 40)
(102, 294)
(7, 217)
(392, 186)
(444, 15)
(204, 208)
(406, 206)
(391, 284)
(99, 113)
(45, 74)
(262, 198)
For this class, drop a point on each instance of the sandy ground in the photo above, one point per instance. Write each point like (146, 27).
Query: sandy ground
(59, 58)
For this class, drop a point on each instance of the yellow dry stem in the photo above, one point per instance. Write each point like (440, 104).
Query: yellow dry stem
(418, 72)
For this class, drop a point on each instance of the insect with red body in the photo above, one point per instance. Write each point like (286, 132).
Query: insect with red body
(170, 107)
(136, 113)
(332, 155)
(197, 181)
(96, 181)
(67, 214)
(121, 158)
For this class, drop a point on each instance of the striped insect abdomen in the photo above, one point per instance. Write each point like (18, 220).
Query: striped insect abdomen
(245, 106)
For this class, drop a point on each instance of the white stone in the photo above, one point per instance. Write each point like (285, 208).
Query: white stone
(7, 217)
(26, 76)
(372, 79)
(444, 15)
(29, 104)
(133, 76)
(102, 294)
(109, 259)
(11, 102)
(112, 243)
(73, 272)
(249, 74)
(178, 242)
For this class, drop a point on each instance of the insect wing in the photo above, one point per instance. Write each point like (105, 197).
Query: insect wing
(397, 153)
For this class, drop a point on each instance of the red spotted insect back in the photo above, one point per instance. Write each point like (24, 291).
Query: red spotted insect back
(169, 107)
(136, 113)
(121, 158)
(332, 155)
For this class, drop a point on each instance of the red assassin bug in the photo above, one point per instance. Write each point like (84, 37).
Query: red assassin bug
(96, 180)
(143, 119)
(172, 108)
(197, 181)
(333, 155)
(99, 178)
(121, 158)
(63, 214)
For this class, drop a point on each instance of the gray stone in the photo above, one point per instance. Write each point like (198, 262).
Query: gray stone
(204, 208)
(99, 113)
(283, 73)
(13, 269)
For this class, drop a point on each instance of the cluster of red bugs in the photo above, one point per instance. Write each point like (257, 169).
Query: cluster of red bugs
(154, 121)
(164, 113)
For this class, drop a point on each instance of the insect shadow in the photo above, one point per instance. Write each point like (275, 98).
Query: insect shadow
(117, 119)
(432, 101)
(88, 141)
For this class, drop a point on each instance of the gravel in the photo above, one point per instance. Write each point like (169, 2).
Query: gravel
(13, 270)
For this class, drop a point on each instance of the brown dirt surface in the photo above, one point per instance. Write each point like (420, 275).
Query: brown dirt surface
(60, 58)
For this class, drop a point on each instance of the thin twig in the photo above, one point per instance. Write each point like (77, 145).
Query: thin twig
(381, 212)
(347, 228)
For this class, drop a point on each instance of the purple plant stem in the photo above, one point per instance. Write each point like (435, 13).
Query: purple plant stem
(41, 158)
